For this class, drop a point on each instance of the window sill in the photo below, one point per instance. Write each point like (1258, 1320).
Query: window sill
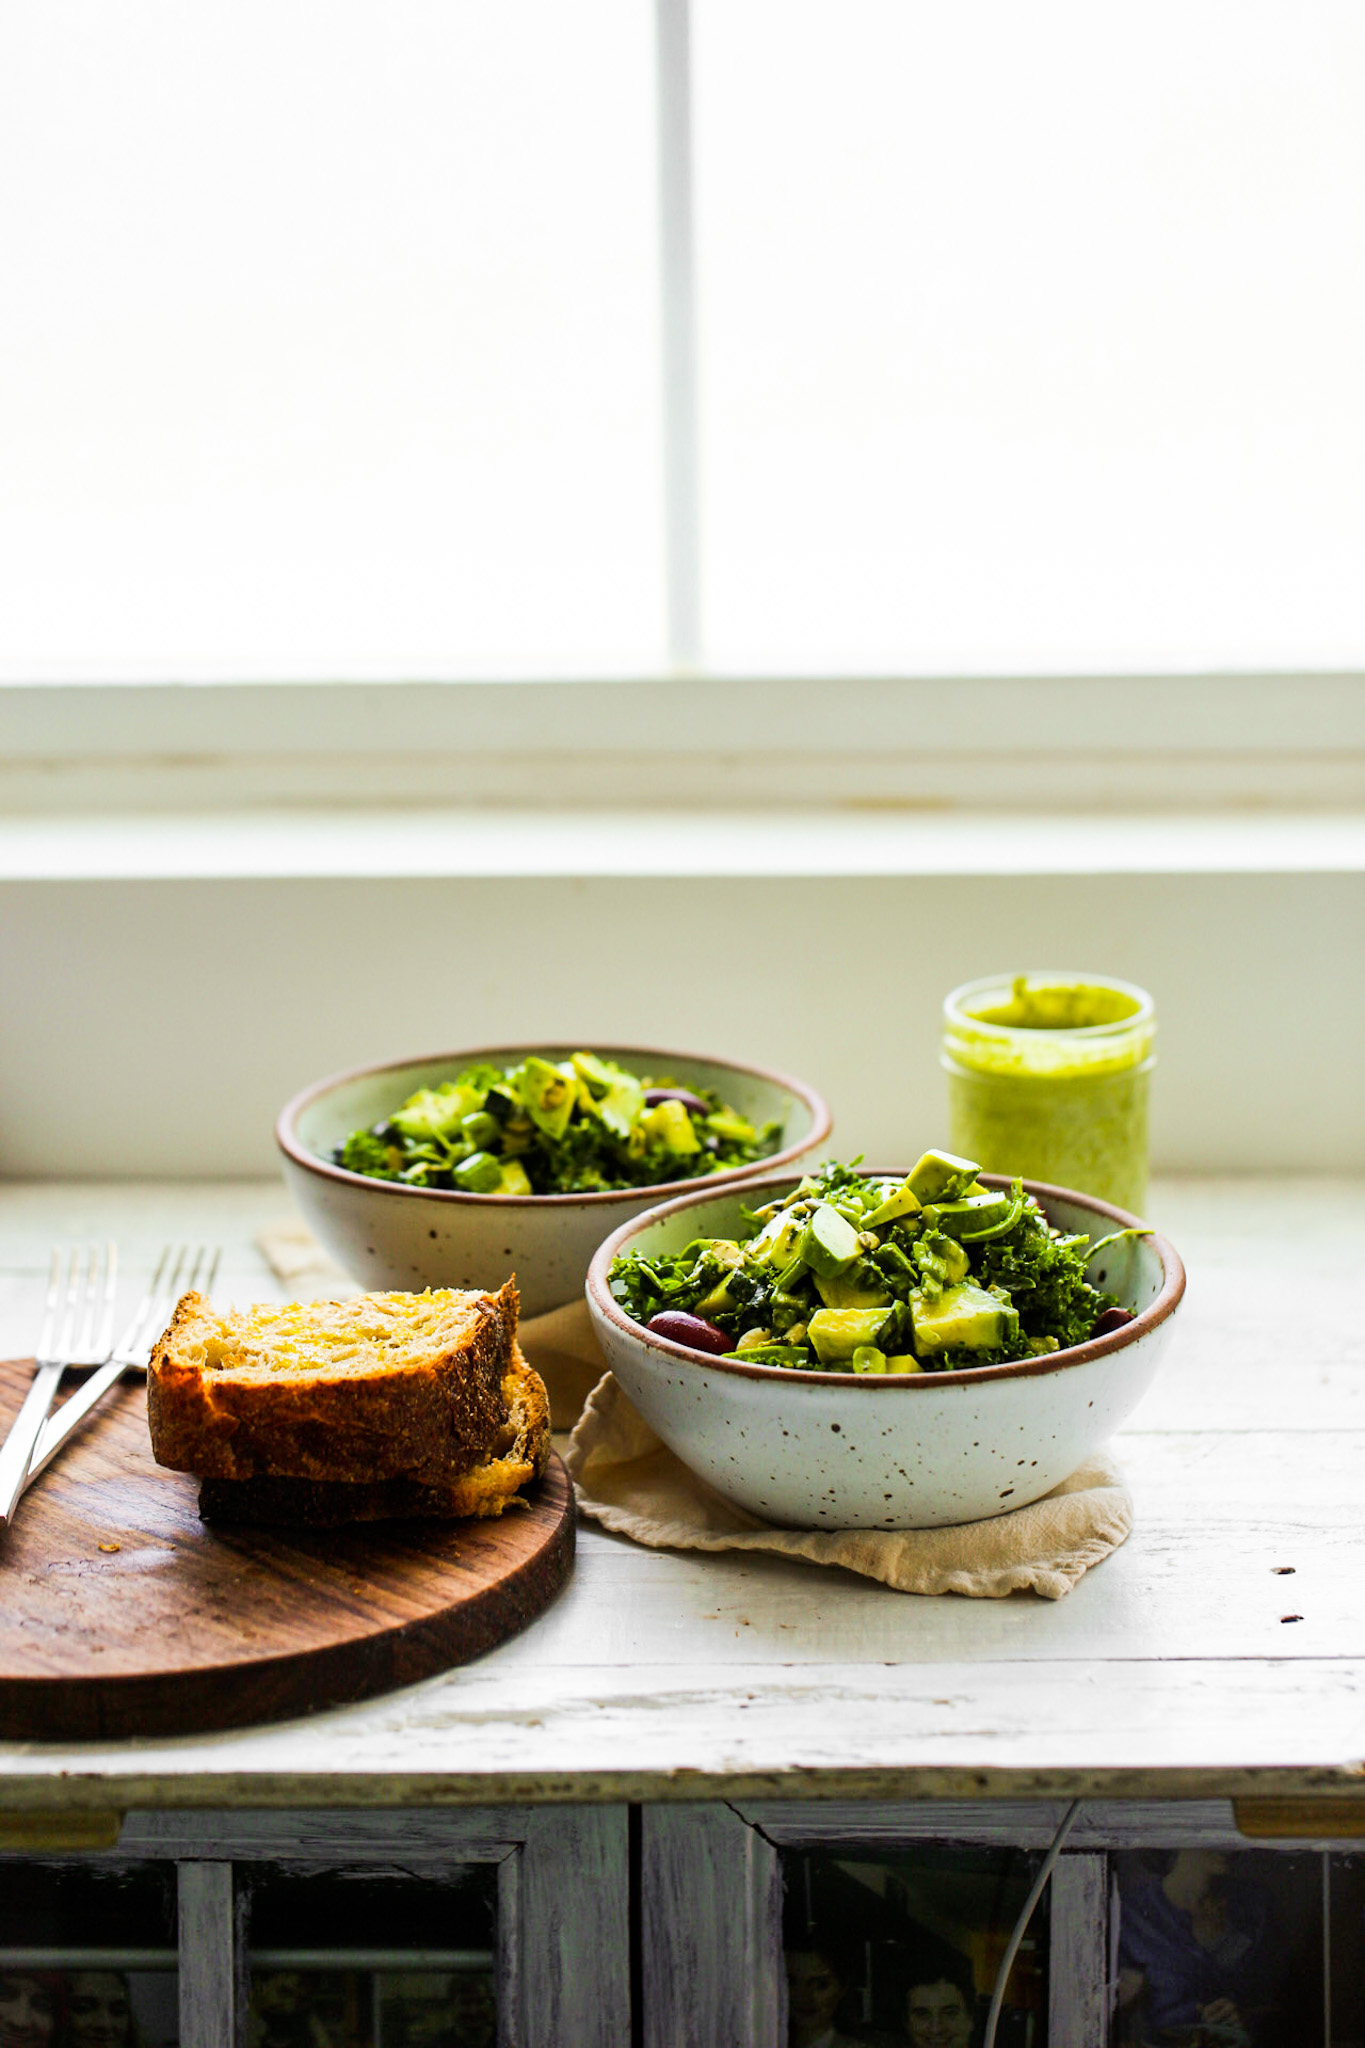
(242, 845)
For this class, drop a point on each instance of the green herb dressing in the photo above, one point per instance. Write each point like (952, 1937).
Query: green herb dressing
(1049, 1077)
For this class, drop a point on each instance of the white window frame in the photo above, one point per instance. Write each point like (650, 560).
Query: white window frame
(1070, 743)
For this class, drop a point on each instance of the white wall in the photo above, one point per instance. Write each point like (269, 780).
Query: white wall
(155, 1027)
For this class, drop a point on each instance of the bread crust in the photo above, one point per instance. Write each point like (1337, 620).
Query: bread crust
(415, 1421)
(490, 1486)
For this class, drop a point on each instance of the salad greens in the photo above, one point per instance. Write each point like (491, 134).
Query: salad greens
(543, 1128)
(851, 1273)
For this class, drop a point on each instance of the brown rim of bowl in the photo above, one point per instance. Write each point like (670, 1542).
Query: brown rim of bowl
(1173, 1286)
(822, 1122)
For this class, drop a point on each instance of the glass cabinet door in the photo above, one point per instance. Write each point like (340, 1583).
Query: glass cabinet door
(903, 1949)
(371, 1959)
(810, 1924)
(1246, 1948)
(88, 1955)
(492, 1927)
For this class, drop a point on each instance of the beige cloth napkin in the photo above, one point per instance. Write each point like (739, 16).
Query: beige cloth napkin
(627, 1480)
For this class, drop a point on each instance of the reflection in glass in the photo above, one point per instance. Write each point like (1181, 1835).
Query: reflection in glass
(372, 1959)
(1220, 1950)
(80, 1946)
(1344, 1974)
(901, 1952)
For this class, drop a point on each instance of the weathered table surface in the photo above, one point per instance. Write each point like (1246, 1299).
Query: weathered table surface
(1188, 1664)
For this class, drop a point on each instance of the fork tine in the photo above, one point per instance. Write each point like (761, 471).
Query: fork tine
(68, 1419)
(211, 1277)
(83, 1347)
(47, 1336)
(104, 1344)
(73, 1273)
(165, 1286)
(125, 1342)
(166, 1300)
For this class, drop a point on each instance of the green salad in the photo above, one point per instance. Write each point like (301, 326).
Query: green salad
(579, 1126)
(859, 1273)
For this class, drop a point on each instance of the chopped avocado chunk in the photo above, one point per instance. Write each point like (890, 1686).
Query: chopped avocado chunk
(903, 1361)
(965, 1317)
(903, 1201)
(941, 1176)
(483, 1131)
(599, 1074)
(719, 1302)
(547, 1096)
(434, 1112)
(728, 1123)
(670, 1123)
(836, 1333)
(829, 1243)
(515, 1179)
(776, 1243)
(480, 1174)
(971, 1213)
(724, 1250)
(620, 1107)
(839, 1291)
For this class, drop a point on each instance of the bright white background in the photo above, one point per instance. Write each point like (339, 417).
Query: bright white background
(1032, 335)
(1029, 336)
(330, 338)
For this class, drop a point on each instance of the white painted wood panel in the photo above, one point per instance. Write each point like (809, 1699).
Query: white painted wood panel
(211, 1993)
(711, 1929)
(1078, 1957)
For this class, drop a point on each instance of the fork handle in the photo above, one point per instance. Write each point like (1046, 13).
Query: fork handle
(69, 1417)
(18, 1448)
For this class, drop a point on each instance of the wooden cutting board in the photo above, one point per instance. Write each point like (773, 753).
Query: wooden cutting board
(121, 1613)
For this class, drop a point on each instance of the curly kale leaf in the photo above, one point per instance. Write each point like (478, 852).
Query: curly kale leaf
(1044, 1275)
(366, 1153)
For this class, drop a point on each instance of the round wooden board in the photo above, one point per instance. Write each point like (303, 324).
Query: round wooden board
(121, 1613)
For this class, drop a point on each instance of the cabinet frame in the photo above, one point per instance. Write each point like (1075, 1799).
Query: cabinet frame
(717, 1976)
(562, 1960)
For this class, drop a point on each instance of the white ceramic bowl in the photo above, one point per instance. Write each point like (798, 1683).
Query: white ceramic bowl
(388, 1236)
(823, 1450)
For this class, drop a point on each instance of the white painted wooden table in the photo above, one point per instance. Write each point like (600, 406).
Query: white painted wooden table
(1169, 1672)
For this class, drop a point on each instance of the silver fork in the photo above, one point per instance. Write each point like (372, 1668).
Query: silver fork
(177, 1271)
(78, 1326)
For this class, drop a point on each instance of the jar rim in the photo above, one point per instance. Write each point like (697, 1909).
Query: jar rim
(958, 1016)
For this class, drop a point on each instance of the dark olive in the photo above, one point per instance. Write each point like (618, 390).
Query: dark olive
(693, 1331)
(654, 1096)
(1112, 1319)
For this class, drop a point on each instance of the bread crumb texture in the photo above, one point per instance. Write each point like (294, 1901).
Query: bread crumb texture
(375, 1388)
(383, 1332)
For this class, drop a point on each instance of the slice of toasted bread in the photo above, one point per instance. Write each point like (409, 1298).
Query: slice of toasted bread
(382, 1387)
(518, 1456)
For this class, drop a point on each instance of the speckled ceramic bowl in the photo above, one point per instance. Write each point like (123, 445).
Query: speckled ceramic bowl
(823, 1450)
(387, 1236)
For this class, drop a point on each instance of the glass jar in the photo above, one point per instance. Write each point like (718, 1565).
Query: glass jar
(1048, 1077)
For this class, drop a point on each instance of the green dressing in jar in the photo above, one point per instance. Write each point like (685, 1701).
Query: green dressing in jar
(1048, 1077)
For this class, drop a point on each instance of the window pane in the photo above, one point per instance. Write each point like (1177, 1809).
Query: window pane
(1221, 1948)
(88, 1955)
(1346, 1951)
(1031, 336)
(902, 1951)
(372, 1959)
(330, 338)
